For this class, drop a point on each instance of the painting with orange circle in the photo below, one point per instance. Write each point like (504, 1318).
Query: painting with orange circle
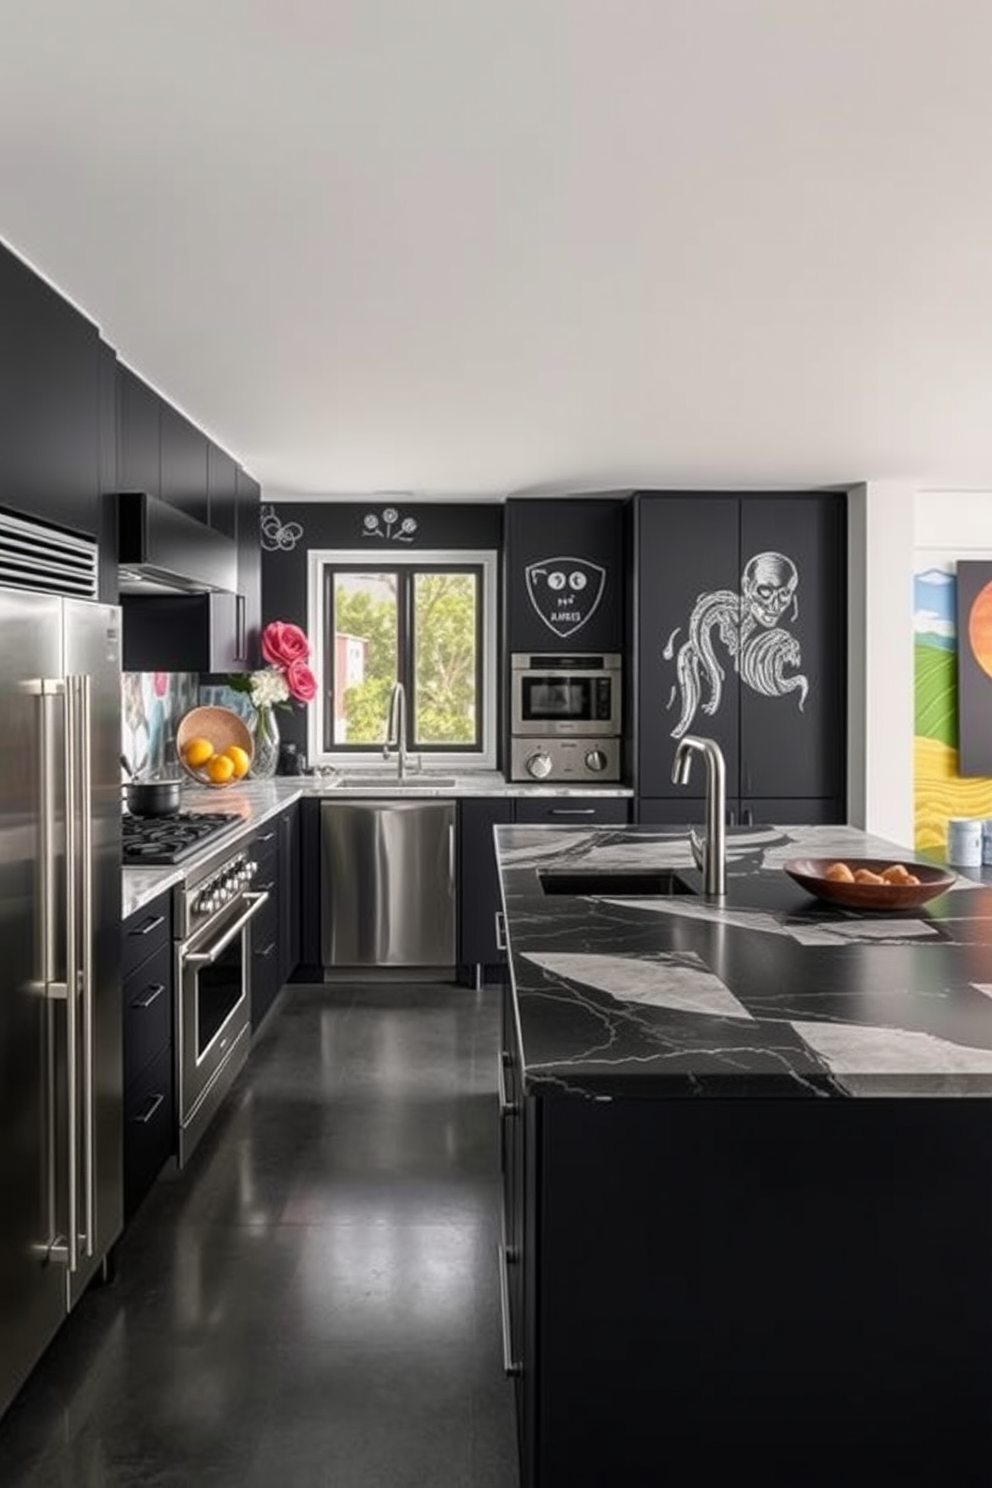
(974, 626)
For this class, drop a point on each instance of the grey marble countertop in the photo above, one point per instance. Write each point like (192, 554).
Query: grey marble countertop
(253, 802)
(767, 993)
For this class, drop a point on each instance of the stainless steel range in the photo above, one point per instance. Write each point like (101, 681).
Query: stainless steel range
(149, 841)
(213, 913)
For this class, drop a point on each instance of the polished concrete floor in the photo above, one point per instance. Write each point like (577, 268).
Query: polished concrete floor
(313, 1302)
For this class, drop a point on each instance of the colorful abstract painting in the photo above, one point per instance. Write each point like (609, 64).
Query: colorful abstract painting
(940, 789)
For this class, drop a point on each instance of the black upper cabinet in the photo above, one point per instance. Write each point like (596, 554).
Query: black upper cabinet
(222, 491)
(564, 579)
(249, 569)
(49, 403)
(184, 463)
(139, 460)
(741, 636)
(109, 592)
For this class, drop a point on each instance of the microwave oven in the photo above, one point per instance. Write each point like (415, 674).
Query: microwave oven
(564, 695)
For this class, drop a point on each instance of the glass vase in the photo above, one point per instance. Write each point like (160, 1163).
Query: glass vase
(266, 741)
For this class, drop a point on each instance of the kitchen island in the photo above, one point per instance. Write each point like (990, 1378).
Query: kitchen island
(747, 1153)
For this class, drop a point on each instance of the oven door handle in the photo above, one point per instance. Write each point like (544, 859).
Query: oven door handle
(207, 958)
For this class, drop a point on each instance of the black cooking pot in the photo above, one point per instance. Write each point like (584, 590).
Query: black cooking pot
(152, 797)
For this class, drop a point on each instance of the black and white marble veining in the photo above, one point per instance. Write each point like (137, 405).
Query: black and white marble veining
(767, 992)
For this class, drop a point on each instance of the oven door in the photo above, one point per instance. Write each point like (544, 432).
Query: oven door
(563, 703)
(214, 997)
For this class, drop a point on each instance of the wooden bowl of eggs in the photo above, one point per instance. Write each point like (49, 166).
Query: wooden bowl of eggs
(870, 883)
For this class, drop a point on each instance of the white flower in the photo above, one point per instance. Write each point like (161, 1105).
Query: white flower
(268, 686)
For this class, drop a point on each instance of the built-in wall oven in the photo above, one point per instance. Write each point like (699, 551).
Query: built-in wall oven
(213, 960)
(565, 716)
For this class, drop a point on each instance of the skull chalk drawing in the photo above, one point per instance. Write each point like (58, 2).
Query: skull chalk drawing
(765, 656)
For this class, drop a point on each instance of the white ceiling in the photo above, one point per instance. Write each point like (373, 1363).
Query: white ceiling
(463, 247)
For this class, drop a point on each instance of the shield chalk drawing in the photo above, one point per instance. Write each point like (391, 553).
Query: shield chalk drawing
(565, 592)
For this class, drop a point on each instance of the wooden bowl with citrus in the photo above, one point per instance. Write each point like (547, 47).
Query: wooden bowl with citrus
(214, 746)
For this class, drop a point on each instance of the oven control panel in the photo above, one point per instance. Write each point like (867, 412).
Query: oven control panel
(225, 884)
(554, 760)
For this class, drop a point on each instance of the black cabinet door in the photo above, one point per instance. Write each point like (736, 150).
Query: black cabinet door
(478, 880)
(49, 403)
(687, 575)
(184, 463)
(793, 646)
(222, 491)
(181, 633)
(682, 811)
(572, 811)
(289, 892)
(564, 575)
(140, 435)
(249, 570)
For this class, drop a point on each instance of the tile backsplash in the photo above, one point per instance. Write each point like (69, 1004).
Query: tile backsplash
(152, 704)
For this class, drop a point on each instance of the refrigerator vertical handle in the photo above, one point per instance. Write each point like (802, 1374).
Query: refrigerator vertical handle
(72, 967)
(451, 856)
(84, 804)
(48, 689)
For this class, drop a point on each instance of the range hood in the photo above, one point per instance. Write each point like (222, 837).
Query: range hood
(161, 550)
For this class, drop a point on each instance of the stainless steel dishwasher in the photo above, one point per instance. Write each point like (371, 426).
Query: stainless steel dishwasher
(387, 883)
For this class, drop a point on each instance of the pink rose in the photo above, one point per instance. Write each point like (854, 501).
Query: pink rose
(283, 643)
(301, 681)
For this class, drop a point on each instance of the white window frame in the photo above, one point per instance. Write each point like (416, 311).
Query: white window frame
(371, 559)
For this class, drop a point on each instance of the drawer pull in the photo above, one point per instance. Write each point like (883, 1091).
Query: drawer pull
(500, 923)
(572, 811)
(151, 1106)
(265, 837)
(149, 926)
(506, 1107)
(510, 1365)
(268, 950)
(153, 994)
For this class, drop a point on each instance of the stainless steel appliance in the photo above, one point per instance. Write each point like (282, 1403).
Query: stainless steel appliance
(151, 840)
(388, 883)
(565, 717)
(60, 913)
(213, 958)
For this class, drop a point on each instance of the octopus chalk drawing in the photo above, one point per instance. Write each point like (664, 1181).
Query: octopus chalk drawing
(765, 655)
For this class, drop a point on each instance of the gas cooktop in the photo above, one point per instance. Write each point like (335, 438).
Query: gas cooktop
(152, 841)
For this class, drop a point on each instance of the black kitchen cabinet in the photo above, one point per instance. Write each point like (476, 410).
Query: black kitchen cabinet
(222, 491)
(572, 811)
(184, 463)
(108, 486)
(479, 950)
(265, 963)
(740, 636)
(182, 633)
(249, 540)
(289, 891)
(310, 905)
(49, 403)
(564, 575)
(148, 1081)
(139, 455)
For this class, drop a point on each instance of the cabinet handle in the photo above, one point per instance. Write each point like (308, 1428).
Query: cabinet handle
(510, 1365)
(151, 1106)
(151, 925)
(500, 923)
(154, 993)
(748, 816)
(572, 811)
(240, 629)
(268, 950)
(265, 837)
(506, 1107)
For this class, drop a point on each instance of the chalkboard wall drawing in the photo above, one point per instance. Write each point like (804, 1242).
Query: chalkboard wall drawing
(974, 629)
(391, 527)
(278, 536)
(565, 592)
(763, 653)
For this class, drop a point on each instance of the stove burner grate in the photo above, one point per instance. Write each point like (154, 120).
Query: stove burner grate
(154, 840)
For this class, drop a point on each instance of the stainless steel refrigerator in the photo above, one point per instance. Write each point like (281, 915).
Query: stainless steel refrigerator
(60, 1016)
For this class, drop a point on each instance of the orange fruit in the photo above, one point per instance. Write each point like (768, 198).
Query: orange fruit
(240, 758)
(220, 769)
(197, 752)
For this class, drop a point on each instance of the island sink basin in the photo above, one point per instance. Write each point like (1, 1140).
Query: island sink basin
(616, 883)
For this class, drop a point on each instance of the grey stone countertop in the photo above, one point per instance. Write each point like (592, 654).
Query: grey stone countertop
(768, 992)
(253, 802)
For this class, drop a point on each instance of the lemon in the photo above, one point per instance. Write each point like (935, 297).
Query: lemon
(220, 769)
(197, 752)
(240, 759)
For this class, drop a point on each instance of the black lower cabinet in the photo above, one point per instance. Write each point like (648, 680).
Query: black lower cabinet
(148, 1074)
(265, 968)
(479, 951)
(289, 891)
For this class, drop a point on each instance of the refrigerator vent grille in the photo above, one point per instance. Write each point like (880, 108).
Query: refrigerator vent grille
(45, 560)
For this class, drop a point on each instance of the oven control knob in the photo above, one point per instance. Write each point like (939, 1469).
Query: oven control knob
(596, 760)
(539, 765)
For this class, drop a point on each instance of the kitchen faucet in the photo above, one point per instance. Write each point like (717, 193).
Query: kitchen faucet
(396, 728)
(710, 855)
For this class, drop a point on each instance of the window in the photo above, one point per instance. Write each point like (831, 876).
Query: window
(424, 619)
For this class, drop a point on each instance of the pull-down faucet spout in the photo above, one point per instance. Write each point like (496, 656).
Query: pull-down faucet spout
(396, 728)
(710, 854)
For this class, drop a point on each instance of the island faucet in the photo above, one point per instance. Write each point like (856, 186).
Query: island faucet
(396, 728)
(710, 854)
